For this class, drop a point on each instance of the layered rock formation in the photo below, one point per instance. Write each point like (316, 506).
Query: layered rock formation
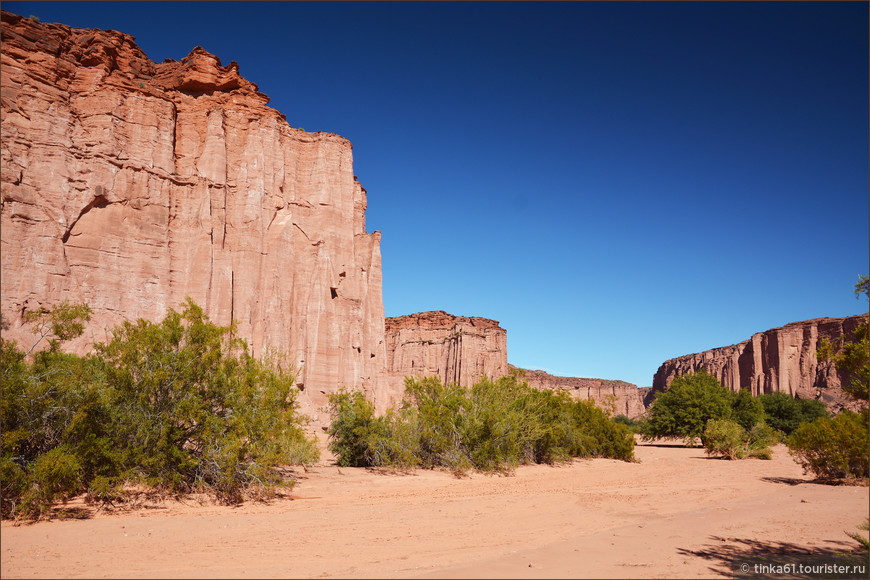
(457, 349)
(130, 185)
(462, 349)
(626, 398)
(781, 359)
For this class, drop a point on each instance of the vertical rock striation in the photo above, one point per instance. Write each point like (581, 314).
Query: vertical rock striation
(781, 359)
(457, 349)
(462, 349)
(130, 185)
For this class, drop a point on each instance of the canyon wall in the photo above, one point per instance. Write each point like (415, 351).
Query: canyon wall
(457, 349)
(130, 185)
(781, 359)
(462, 349)
(625, 397)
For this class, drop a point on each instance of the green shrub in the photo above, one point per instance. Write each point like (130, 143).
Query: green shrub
(13, 485)
(725, 438)
(784, 413)
(760, 437)
(494, 426)
(684, 409)
(746, 410)
(55, 474)
(358, 438)
(597, 435)
(833, 448)
(728, 439)
(863, 541)
(633, 425)
(440, 411)
(179, 405)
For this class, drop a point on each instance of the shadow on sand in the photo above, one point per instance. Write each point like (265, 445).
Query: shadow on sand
(728, 556)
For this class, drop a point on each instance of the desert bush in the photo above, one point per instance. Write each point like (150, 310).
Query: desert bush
(633, 425)
(728, 439)
(833, 448)
(600, 436)
(359, 438)
(494, 426)
(179, 405)
(684, 409)
(195, 410)
(760, 438)
(725, 438)
(497, 431)
(784, 413)
(440, 411)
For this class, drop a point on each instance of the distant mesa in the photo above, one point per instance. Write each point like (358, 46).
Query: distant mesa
(627, 398)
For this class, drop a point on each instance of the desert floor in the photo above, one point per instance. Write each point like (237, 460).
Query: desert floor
(674, 514)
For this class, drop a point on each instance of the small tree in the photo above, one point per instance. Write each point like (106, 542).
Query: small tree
(851, 355)
(195, 409)
(838, 448)
(684, 409)
(785, 413)
(747, 410)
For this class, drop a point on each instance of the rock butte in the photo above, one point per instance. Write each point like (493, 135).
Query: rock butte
(457, 349)
(781, 359)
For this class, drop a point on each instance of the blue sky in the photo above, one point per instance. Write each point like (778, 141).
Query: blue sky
(617, 183)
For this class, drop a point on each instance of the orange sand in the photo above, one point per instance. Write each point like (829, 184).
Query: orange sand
(676, 513)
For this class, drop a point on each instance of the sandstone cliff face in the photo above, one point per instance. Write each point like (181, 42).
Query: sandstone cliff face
(129, 185)
(626, 398)
(781, 359)
(462, 349)
(457, 349)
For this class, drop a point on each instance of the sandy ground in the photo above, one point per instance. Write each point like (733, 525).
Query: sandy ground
(674, 514)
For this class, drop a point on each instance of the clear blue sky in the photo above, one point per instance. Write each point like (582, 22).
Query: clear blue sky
(617, 183)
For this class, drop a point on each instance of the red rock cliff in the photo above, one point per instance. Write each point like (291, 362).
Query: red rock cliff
(781, 359)
(129, 185)
(627, 399)
(457, 349)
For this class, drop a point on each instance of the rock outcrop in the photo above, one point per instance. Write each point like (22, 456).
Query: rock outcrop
(781, 359)
(626, 398)
(457, 349)
(130, 185)
(462, 349)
